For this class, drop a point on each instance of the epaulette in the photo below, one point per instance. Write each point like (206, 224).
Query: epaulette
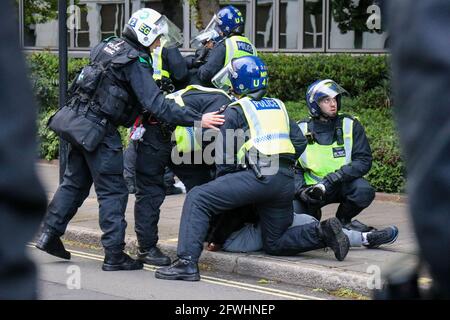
(308, 119)
(346, 115)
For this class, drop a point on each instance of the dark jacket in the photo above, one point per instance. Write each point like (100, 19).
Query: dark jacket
(131, 70)
(176, 65)
(215, 61)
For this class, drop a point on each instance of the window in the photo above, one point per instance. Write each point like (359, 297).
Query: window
(78, 27)
(112, 19)
(313, 24)
(40, 23)
(89, 22)
(172, 9)
(239, 4)
(356, 24)
(289, 24)
(264, 23)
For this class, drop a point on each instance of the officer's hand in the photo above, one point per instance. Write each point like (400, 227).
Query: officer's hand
(332, 179)
(201, 54)
(306, 197)
(212, 119)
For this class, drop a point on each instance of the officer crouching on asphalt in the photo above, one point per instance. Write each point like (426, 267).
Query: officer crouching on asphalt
(110, 91)
(336, 158)
(258, 170)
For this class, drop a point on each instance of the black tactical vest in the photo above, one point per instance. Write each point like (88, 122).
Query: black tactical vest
(98, 82)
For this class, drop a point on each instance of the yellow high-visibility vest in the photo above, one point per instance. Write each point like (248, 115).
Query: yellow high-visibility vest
(319, 160)
(157, 62)
(238, 46)
(268, 122)
(185, 136)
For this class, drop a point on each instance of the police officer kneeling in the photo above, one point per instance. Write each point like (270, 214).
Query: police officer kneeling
(256, 172)
(115, 86)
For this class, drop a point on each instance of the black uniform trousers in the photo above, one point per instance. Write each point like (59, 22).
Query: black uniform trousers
(153, 156)
(129, 165)
(104, 168)
(353, 196)
(272, 199)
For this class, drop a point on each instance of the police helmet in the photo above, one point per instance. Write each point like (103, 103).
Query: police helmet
(321, 89)
(146, 25)
(230, 20)
(244, 76)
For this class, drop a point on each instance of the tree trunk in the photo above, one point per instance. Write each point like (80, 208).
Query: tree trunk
(205, 10)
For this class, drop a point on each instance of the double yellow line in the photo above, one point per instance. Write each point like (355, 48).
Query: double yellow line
(213, 280)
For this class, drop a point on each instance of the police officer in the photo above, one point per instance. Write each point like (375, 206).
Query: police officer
(154, 154)
(112, 89)
(336, 158)
(193, 152)
(257, 171)
(226, 32)
(170, 73)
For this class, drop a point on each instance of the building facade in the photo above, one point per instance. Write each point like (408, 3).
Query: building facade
(293, 26)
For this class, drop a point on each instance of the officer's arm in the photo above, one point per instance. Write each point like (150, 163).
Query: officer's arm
(214, 64)
(299, 142)
(176, 63)
(151, 98)
(297, 138)
(361, 155)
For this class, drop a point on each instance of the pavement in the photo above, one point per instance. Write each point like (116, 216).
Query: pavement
(359, 272)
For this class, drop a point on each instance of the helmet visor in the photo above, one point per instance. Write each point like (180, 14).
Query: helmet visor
(222, 78)
(211, 32)
(169, 31)
(325, 88)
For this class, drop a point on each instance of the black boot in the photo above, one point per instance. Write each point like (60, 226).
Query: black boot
(52, 244)
(335, 238)
(118, 260)
(346, 212)
(173, 190)
(153, 256)
(181, 269)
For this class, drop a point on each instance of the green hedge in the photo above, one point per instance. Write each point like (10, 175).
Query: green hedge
(363, 76)
(290, 75)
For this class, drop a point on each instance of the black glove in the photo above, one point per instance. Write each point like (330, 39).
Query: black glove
(308, 196)
(200, 57)
(332, 179)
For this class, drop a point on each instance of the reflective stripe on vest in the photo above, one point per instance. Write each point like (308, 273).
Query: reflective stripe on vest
(319, 160)
(185, 136)
(268, 121)
(238, 46)
(157, 63)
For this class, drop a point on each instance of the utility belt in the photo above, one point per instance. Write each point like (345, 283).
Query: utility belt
(260, 166)
(166, 129)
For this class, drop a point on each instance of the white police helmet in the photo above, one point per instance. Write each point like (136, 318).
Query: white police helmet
(148, 24)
